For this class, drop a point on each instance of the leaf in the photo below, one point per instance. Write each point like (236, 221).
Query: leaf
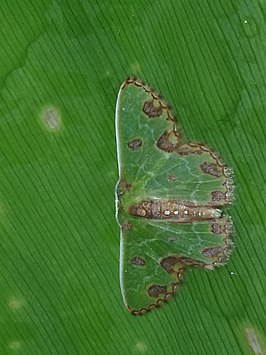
(166, 188)
(59, 248)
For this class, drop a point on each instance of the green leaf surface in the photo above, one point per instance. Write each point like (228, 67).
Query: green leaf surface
(61, 67)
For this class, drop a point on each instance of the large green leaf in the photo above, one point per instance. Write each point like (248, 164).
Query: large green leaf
(61, 67)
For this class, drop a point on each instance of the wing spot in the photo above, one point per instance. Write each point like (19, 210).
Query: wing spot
(156, 290)
(126, 226)
(169, 142)
(169, 263)
(135, 144)
(212, 169)
(167, 213)
(126, 186)
(171, 178)
(189, 261)
(138, 261)
(213, 251)
(151, 110)
(217, 196)
(216, 228)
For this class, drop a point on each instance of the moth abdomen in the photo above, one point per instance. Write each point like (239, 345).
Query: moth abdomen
(174, 210)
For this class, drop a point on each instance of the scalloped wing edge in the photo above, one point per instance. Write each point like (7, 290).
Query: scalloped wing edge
(160, 301)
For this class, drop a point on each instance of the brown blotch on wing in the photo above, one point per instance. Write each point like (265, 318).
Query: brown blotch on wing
(138, 261)
(126, 186)
(218, 197)
(189, 261)
(156, 290)
(126, 226)
(152, 108)
(169, 142)
(213, 252)
(171, 178)
(169, 263)
(212, 169)
(216, 228)
(187, 149)
(222, 226)
(135, 144)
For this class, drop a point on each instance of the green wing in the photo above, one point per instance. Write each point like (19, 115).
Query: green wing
(155, 253)
(157, 169)
(153, 160)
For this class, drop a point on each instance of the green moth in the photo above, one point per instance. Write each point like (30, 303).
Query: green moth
(168, 200)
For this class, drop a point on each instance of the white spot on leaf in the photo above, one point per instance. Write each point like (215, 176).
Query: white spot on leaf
(15, 303)
(14, 345)
(141, 347)
(51, 118)
(253, 340)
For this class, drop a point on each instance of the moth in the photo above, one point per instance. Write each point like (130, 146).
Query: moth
(169, 200)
